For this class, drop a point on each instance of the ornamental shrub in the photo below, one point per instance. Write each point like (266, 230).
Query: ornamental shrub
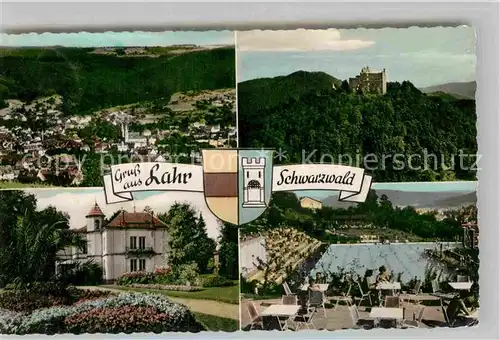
(84, 274)
(27, 301)
(41, 296)
(187, 273)
(214, 280)
(163, 270)
(136, 277)
(180, 288)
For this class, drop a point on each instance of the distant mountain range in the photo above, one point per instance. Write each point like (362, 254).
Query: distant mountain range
(420, 200)
(465, 90)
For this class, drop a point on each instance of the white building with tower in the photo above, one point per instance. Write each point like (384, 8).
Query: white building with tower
(254, 182)
(129, 241)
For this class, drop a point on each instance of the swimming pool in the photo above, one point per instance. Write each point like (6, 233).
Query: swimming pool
(406, 258)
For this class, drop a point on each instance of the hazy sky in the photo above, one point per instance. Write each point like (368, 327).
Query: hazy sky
(425, 56)
(78, 202)
(458, 186)
(85, 39)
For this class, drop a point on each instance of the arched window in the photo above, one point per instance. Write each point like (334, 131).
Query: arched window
(97, 225)
(253, 184)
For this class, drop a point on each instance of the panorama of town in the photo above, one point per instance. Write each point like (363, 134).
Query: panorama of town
(42, 145)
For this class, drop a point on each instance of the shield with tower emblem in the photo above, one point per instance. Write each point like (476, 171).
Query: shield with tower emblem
(237, 183)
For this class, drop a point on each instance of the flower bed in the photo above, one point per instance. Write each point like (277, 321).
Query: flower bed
(127, 312)
(180, 288)
(137, 277)
(30, 300)
(166, 278)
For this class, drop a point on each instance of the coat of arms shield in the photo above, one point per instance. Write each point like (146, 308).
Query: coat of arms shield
(237, 183)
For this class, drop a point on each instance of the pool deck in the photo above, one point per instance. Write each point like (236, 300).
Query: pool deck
(339, 317)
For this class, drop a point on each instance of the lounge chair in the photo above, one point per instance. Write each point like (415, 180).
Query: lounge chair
(417, 322)
(253, 312)
(304, 320)
(412, 294)
(357, 321)
(346, 297)
(364, 295)
(392, 302)
(436, 291)
(289, 300)
(316, 300)
(457, 321)
(288, 291)
(447, 320)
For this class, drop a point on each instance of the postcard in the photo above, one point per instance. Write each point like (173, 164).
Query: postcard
(157, 182)
(399, 104)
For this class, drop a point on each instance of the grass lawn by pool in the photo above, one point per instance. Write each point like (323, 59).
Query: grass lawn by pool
(215, 323)
(221, 294)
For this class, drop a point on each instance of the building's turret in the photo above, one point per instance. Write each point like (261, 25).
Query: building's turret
(95, 219)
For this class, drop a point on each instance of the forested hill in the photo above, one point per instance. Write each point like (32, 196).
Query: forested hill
(275, 91)
(90, 81)
(393, 129)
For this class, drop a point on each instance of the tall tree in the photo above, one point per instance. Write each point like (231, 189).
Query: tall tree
(206, 245)
(31, 239)
(13, 204)
(228, 251)
(188, 242)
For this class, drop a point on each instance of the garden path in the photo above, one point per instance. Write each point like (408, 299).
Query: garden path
(220, 309)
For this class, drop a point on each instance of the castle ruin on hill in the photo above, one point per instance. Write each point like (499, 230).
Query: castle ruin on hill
(369, 81)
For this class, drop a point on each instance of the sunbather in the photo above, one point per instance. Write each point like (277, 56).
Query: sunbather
(383, 275)
(368, 282)
(460, 306)
(313, 285)
(318, 277)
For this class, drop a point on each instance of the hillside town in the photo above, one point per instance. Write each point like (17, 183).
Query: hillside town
(39, 143)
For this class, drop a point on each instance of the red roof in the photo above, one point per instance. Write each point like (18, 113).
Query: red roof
(95, 211)
(136, 220)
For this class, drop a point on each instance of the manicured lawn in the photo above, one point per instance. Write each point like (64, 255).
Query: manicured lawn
(17, 185)
(215, 323)
(221, 294)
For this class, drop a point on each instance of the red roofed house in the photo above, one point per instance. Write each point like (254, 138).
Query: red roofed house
(130, 241)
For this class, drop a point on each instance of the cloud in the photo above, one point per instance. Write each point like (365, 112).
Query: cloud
(297, 40)
(78, 204)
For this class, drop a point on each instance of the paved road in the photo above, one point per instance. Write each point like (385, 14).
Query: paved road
(223, 310)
